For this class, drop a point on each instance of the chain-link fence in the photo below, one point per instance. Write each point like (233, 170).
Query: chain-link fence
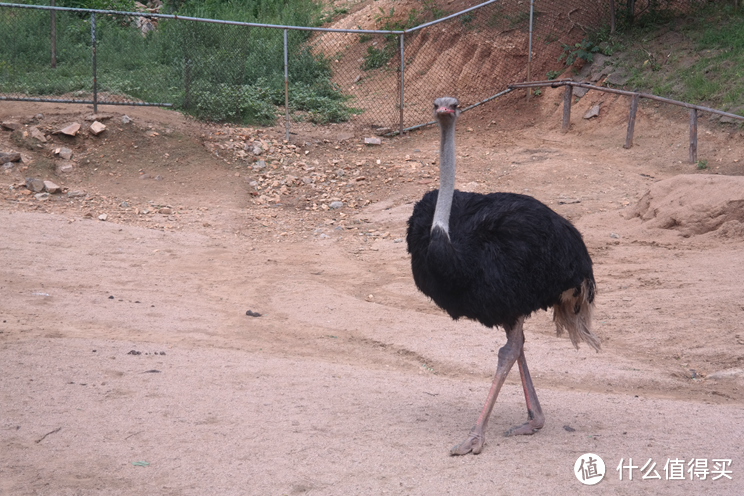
(231, 71)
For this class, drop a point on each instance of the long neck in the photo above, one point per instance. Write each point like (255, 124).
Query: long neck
(446, 177)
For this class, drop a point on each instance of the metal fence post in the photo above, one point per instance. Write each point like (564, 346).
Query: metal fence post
(693, 136)
(402, 82)
(286, 87)
(93, 41)
(53, 34)
(529, 54)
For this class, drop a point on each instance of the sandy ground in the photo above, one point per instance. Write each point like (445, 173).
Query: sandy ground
(129, 365)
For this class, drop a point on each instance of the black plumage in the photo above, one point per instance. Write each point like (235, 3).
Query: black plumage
(507, 255)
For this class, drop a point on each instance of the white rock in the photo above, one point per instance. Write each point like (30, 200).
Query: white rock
(97, 128)
(70, 130)
(50, 187)
(103, 217)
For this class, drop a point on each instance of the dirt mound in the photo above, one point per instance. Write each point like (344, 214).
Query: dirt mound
(694, 205)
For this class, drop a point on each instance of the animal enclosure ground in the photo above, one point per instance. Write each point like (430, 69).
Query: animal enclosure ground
(129, 365)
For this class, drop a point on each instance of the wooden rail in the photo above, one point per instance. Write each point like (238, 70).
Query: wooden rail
(635, 96)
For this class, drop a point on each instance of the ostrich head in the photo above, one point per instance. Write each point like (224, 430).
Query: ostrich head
(445, 109)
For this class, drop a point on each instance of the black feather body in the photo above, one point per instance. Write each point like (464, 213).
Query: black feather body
(506, 256)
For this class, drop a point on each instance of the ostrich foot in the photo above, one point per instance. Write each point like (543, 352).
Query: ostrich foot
(526, 429)
(474, 443)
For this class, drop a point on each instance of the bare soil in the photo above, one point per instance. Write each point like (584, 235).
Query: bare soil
(130, 366)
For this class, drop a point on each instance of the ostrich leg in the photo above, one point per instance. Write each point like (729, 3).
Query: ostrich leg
(508, 354)
(535, 416)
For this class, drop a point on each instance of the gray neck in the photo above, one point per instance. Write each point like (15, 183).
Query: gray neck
(446, 177)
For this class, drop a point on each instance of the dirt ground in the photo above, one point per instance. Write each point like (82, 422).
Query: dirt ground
(130, 366)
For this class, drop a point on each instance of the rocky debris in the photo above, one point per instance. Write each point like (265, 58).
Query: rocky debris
(64, 153)
(259, 165)
(98, 117)
(12, 125)
(37, 134)
(50, 187)
(6, 157)
(372, 141)
(103, 217)
(70, 130)
(336, 205)
(42, 196)
(251, 313)
(165, 211)
(592, 112)
(125, 119)
(64, 167)
(35, 185)
(75, 194)
(97, 128)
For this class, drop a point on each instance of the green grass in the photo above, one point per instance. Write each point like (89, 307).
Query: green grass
(706, 65)
(215, 72)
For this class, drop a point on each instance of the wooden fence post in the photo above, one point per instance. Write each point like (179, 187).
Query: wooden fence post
(693, 136)
(631, 121)
(567, 97)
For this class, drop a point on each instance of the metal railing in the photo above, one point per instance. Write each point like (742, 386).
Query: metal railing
(635, 96)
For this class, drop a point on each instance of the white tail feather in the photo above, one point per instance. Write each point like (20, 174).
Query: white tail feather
(574, 314)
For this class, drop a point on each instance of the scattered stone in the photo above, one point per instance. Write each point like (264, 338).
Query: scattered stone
(37, 134)
(259, 165)
(727, 374)
(398, 240)
(340, 173)
(63, 152)
(124, 204)
(151, 133)
(158, 178)
(41, 196)
(6, 157)
(75, 194)
(257, 150)
(125, 119)
(98, 117)
(336, 205)
(7, 166)
(97, 128)
(614, 236)
(324, 236)
(12, 125)
(144, 176)
(250, 313)
(618, 78)
(103, 217)
(35, 185)
(372, 141)
(592, 112)
(568, 428)
(70, 130)
(134, 352)
(580, 91)
(64, 167)
(50, 187)
(39, 116)
(165, 211)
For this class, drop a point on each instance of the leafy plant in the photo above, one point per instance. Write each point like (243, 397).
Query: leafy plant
(702, 164)
(551, 75)
(584, 50)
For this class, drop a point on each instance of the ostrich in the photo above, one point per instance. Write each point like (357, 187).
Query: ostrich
(497, 258)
